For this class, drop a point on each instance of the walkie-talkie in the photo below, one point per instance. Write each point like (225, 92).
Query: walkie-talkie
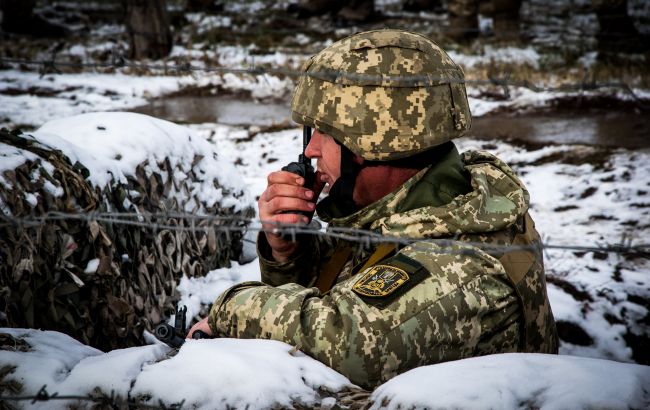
(303, 168)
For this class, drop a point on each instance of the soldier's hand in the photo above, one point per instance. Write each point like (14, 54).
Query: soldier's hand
(285, 192)
(202, 326)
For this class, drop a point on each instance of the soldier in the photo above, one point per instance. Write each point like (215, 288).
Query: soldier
(385, 106)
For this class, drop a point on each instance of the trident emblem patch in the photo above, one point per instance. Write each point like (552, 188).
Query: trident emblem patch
(380, 281)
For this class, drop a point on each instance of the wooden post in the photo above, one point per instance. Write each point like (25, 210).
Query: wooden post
(147, 25)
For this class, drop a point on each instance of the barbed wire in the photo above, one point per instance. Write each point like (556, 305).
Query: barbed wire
(112, 401)
(505, 81)
(231, 224)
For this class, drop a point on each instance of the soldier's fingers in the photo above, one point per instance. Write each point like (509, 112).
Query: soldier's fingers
(284, 177)
(284, 190)
(282, 204)
(202, 326)
(284, 219)
(278, 222)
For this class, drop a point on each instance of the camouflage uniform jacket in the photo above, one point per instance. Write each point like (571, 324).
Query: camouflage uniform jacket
(455, 301)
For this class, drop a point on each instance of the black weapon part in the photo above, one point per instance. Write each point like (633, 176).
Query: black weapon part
(200, 334)
(167, 334)
(180, 320)
(174, 336)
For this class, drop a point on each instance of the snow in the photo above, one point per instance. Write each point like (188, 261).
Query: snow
(231, 373)
(589, 59)
(50, 97)
(65, 365)
(70, 111)
(233, 365)
(552, 184)
(120, 141)
(602, 218)
(257, 153)
(520, 99)
(524, 56)
(112, 144)
(53, 353)
(511, 381)
(206, 23)
(92, 92)
(12, 157)
(198, 291)
(44, 98)
(91, 266)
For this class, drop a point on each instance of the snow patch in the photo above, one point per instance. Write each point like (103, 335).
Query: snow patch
(511, 381)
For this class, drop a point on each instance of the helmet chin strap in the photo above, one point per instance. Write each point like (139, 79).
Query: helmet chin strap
(342, 190)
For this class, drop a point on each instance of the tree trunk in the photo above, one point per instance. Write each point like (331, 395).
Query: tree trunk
(505, 17)
(463, 20)
(617, 33)
(147, 24)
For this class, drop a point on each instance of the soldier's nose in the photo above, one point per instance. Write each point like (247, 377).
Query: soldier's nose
(313, 149)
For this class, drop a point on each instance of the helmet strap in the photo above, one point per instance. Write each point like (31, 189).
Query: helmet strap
(340, 195)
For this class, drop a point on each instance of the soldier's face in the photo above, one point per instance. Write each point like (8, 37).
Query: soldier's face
(327, 153)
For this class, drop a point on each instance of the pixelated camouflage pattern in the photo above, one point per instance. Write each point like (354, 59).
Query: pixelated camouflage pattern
(494, 213)
(469, 305)
(497, 200)
(464, 308)
(525, 267)
(384, 94)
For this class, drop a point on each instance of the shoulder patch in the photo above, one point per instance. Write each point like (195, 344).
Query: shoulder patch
(380, 281)
(380, 284)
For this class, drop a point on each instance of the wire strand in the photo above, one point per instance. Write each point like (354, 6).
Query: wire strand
(155, 221)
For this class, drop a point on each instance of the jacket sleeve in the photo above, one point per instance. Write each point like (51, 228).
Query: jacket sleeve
(463, 307)
(302, 268)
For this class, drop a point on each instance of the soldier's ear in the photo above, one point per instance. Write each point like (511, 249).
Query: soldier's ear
(358, 159)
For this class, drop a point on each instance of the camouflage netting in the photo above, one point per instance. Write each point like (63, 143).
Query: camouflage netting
(48, 277)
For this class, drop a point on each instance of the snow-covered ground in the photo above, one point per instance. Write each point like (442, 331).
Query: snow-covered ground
(231, 373)
(580, 195)
(33, 94)
(587, 289)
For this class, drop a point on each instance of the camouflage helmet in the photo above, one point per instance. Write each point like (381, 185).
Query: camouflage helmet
(384, 94)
